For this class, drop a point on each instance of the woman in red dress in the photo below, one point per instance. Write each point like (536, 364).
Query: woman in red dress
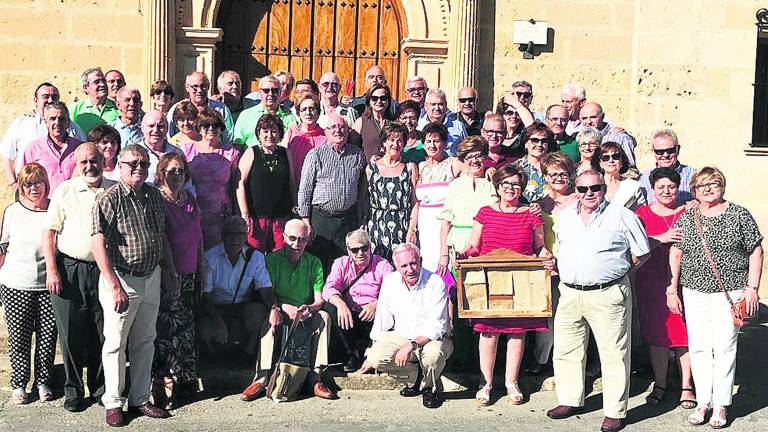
(505, 225)
(662, 329)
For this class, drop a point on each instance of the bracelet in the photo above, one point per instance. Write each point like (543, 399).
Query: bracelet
(444, 255)
(670, 293)
(751, 287)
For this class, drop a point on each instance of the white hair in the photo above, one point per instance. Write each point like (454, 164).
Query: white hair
(415, 78)
(669, 133)
(127, 89)
(403, 247)
(575, 89)
(436, 92)
(592, 173)
(84, 75)
(358, 235)
(269, 78)
(223, 75)
(590, 133)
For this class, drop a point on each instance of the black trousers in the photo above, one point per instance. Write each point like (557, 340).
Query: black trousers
(80, 321)
(347, 342)
(330, 234)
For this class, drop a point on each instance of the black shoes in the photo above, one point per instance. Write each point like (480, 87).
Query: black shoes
(76, 405)
(432, 399)
(353, 364)
(415, 389)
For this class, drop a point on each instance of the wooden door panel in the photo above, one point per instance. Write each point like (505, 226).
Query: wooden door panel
(323, 38)
(301, 38)
(389, 45)
(346, 43)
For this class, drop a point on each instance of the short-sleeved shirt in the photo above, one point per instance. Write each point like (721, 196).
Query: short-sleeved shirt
(184, 233)
(330, 179)
(133, 225)
(345, 111)
(21, 234)
(58, 163)
(295, 284)
(731, 237)
(245, 128)
(367, 287)
(569, 147)
(513, 231)
(129, 134)
(465, 197)
(25, 129)
(683, 191)
(597, 252)
(88, 116)
(537, 188)
(69, 214)
(221, 279)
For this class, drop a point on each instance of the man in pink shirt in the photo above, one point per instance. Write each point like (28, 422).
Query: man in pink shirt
(351, 292)
(56, 151)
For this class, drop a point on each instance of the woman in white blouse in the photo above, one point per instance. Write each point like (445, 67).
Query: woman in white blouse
(612, 162)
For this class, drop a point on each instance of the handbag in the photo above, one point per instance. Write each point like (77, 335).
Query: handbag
(294, 362)
(738, 309)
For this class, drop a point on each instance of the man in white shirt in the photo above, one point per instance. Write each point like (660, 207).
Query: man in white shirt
(231, 281)
(594, 243)
(411, 331)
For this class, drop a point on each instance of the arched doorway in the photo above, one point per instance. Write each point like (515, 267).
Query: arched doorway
(311, 37)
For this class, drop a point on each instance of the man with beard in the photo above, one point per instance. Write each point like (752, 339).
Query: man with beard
(129, 104)
(96, 109)
(245, 128)
(411, 331)
(197, 85)
(72, 277)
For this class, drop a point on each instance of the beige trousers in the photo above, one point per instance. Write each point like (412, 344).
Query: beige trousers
(431, 357)
(608, 314)
(320, 323)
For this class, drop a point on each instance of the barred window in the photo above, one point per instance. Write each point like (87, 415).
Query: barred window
(760, 107)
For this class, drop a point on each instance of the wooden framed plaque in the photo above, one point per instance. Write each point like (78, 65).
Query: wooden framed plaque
(503, 284)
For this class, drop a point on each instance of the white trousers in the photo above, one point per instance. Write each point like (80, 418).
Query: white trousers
(136, 328)
(711, 344)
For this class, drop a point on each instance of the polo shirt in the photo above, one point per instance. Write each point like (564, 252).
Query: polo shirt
(295, 285)
(569, 147)
(69, 214)
(129, 134)
(88, 116)
(245, 128)
(222, 277)
(25, 129)
(58, 163)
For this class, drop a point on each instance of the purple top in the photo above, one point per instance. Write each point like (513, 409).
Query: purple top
(364, 290)
(182, 227)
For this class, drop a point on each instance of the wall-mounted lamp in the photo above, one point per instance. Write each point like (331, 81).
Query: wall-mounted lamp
(528, 33)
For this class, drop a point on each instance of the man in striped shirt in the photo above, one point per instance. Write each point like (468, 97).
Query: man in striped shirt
(329, 191)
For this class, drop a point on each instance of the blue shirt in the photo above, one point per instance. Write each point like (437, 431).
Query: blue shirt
(596, 252)
(683, 192)
(129, 134)
(456, 130)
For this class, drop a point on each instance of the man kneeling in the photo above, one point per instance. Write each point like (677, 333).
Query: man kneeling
(411, 331)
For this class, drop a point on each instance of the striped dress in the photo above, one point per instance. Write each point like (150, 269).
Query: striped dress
(513, 231)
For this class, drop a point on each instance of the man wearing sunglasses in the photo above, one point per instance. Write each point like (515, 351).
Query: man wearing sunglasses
(128, 234)
(197, 86)
(523, 91)
(245, 128)
(330, 89)
(351, 292)
(666, 149)
(594, 244)
(468, 113)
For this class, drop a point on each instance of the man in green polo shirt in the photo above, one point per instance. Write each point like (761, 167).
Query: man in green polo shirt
(96, 109)
(297, 282)
(556, 120)
(245, 127)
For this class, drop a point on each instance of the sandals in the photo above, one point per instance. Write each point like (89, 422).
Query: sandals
(656, 395)
(515, 395)
(698, 417)
(718, 419)
(45, 393)
(687, 403)
(19, 396)
(483, 396)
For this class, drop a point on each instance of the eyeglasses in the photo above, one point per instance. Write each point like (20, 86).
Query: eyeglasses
(162, 92)
(384, 98)
(210, 126)
(476, 156)
(711, 185)
(467, 100)
(588, 144)
(494, 132)
(558, 119)
(136, 164)
(356, 250)
(293, 239)
(273, 90)
(330, 84)
(199, 87)
(525, 95)
(537, 140)
(416, 90)
(510, 113)
(408, 118)
(30, 185)
(669, 151)
(174, 172)
(607, 157)
(308, 109)
(555, 175)
(510, 185)
(594, 188)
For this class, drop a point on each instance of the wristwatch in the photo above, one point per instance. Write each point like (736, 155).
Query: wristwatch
(414, 345)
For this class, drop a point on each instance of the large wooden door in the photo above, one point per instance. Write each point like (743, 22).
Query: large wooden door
(311, 37)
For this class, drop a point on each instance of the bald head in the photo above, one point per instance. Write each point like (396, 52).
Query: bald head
(591, 115)
(154, 127)
(375, 75)
(296, 227)
(89, 163)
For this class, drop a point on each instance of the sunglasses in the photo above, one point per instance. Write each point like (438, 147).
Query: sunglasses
(293, 238)
(467, 99)
(330, 84)
(536, 140)
(524, 94)
(163, 92)
(607, 157)
(510, 113)
(384, 98)
(308, 109)
(30, 185)
(356, 250)
(594, 188)
(174, 172)
(136, 164)
(273, 90)
(668, 151)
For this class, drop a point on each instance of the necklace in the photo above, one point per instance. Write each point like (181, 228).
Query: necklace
(508, 212)
(171, 199)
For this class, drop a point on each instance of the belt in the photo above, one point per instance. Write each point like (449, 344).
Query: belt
(125, 271)
(343, 213)
(79, 261)
(593, 287)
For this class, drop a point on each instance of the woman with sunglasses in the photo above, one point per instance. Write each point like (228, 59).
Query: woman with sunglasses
(517, 117)
(508, 224)
(23, 291)
(175, 362)
(733, 239)
(161, 94)
(368, 128)
(213, 169)
(107, 139)
(589, 140)
(264, 188)
(663, 330)
(538, 140)
(611, 161)
(185, 119)
(303, 136)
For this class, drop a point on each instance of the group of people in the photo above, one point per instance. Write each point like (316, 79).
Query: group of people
(191, 229)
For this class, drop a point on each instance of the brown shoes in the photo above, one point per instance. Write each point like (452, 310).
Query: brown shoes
(612, 424)
(150, 410)
(322, 391)
(115, 417)
(253, 391)
(563, 411)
